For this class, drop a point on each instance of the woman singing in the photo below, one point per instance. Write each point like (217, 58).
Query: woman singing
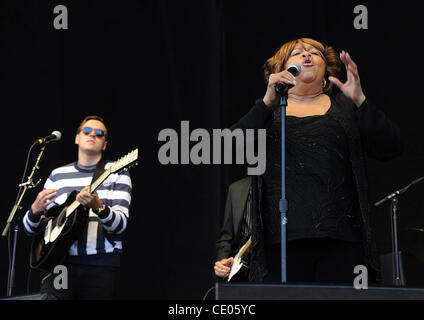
(329, 228)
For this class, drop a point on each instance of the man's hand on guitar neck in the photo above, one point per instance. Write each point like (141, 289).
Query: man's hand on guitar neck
(88, 200)
(222, 267)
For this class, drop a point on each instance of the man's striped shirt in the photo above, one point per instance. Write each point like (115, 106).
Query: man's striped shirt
(103, 233)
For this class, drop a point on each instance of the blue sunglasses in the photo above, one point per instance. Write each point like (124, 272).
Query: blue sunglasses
(87, 130)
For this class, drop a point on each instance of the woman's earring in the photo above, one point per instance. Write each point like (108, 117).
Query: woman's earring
(324, 83)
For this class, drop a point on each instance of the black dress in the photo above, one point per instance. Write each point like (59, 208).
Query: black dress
(323, 206)
(320, 186)
(327, 188)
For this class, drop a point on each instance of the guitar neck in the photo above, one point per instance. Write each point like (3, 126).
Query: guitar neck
(74, 205)
(246, 248)
(99, 181)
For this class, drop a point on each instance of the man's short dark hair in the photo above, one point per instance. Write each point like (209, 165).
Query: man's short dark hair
(88, 118)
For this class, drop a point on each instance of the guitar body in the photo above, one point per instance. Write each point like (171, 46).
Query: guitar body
(46, 255)
(242, 274)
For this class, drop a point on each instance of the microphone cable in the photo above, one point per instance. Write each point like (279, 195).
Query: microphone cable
(207, 293)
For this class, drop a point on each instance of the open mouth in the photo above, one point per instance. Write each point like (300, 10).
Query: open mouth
(308, 62)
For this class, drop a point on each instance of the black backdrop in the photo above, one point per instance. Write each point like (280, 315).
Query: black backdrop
(148, 65)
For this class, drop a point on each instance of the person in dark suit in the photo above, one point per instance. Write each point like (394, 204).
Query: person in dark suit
(236, 227)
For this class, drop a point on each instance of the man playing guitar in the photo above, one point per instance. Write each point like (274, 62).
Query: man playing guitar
(93, 261)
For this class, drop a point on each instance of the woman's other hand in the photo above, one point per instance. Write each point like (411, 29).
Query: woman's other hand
(352, 87)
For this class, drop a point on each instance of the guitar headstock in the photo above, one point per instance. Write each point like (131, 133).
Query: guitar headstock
(125, 162)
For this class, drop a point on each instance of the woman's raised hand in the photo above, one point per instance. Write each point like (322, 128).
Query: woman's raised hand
(352, 87)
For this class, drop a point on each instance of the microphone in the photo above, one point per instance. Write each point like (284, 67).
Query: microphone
(54, 136)
(294, 69)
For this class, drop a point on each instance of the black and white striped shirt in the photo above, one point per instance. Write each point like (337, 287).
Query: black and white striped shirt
(103, 233)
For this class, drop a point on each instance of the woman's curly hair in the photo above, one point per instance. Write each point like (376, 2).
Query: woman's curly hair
(277, 62)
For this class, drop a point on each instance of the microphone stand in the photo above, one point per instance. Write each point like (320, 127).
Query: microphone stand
(283, 92)
(394, 201)
(14, 220)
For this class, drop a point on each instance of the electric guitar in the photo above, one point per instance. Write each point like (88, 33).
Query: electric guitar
(238, 262)
(64, 224)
